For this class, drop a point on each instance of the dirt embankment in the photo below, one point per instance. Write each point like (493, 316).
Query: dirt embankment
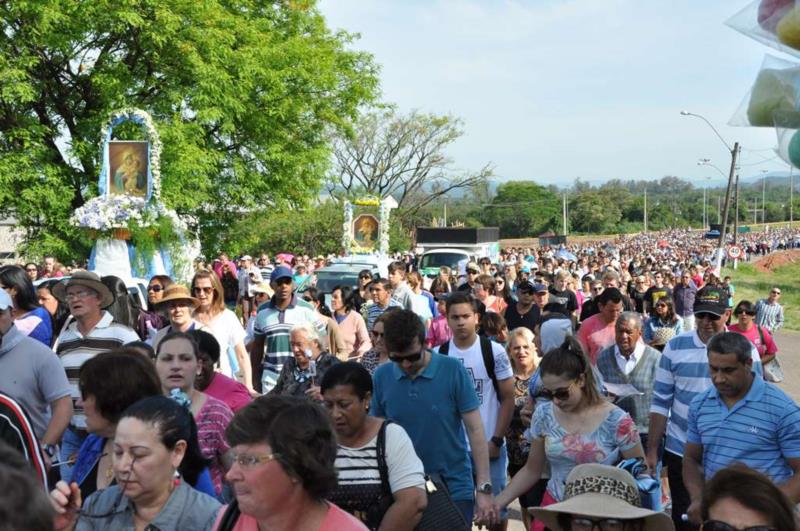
(777, 259)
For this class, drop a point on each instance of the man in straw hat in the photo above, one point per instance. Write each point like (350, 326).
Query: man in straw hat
(178, 304)
(604, 498)
(92, 331)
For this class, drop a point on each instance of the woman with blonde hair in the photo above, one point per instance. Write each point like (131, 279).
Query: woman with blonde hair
(223, 324)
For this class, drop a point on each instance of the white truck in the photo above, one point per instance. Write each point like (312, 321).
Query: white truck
(454, 247)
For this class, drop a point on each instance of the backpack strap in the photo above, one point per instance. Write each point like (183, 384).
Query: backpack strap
(229, 517)
(488, 362)
(383, 468)
(444, 348)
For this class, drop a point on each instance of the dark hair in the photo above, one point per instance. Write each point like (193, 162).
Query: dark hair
(493, 323)
(613, 295)
(62, 311)
(24, 505)
(122, 309)
(365, 272)
(554, 307)
(116, 379)
(397, 265)
(144, 348)
(349, 373)
(347, 297)
(13, 276)
(461, 297)
(206, 344)
(731, 343)
(400, 328)
(298, 431)
(505, 293)
(178, 335)
(439, 285)
(570, 361)
(174, 423)
(383, 282)
(744, 306)
(751, 489)
(165, 281)
(671, 315)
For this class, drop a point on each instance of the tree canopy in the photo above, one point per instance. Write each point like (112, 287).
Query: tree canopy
(245, 94)
(523, 208)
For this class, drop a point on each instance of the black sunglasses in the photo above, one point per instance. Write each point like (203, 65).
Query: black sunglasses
(716, 525)
(412, 358)
(154, 289)
(708, 315)
(362, 277)
(751, 314)
(561, 393)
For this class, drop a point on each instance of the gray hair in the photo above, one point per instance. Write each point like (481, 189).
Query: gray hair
(625, 317)
(311, 334)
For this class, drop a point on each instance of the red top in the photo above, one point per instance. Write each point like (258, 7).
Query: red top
(229, 391)
(765, 348)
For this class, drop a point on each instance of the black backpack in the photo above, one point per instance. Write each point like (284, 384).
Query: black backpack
(488, 359)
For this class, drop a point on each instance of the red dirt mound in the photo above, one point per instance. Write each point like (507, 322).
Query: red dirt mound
(777, 259)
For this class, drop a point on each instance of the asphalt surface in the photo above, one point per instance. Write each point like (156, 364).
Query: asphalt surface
(788, 349)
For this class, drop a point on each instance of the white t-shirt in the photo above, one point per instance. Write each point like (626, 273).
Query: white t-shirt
(228, 331)
(356, 466)
(473, 362)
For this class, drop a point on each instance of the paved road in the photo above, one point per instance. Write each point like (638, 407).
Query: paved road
(789, 354)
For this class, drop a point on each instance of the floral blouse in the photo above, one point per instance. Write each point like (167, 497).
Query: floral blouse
(564, 450)
(517, 443)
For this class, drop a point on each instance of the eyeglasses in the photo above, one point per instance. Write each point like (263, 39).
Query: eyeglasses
(250, 461)
(365, 277)
(751, 314)
(78, 295)
(707, 315)
(411, 358)
(603, 524)
(155, 288)
(716, 525)
(377, 334)
(561, 393)
(199, 289)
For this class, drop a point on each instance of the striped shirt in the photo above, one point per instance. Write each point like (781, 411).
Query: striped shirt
(683, 374)
(212, 419)
(374, 311)
(74, 349)
(770, 316)
(762, 431)
(275, 325)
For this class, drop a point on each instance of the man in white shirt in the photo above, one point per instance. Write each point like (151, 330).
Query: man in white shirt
(488, 365)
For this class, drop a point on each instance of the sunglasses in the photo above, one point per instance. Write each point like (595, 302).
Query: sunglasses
(579, 523)
(751, 314)
(561, 393)
(154, 289)
(365, 277)
(198, 289)
(716, 525)
(411, 358)
(707, 315)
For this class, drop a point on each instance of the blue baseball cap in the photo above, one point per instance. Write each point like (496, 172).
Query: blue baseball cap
(279, 273)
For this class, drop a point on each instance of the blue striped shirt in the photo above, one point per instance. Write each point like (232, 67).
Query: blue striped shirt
(683, 374)
(762, 431)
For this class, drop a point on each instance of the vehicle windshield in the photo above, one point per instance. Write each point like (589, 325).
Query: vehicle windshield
(327, 280)
(450, 260)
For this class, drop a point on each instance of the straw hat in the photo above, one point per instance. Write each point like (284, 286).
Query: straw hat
(264, 287)
(601, 491)
(662, 335)
(178, 292)
(87, 279)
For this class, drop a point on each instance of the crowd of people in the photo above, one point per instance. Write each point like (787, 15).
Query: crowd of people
(248, 399)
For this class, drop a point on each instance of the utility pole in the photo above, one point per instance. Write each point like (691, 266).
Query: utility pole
(719, 208)
(736, 219)
(764, 198)
(734, 156)
(645, 208)
(445, 213)
(564, 211)
(791, 196)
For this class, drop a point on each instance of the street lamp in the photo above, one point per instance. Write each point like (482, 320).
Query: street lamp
(764, 198)
(734, 151)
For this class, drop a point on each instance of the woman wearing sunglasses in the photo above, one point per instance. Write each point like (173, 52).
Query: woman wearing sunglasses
(573, 426)
(745, 313)
(663, 316)
(740, 499)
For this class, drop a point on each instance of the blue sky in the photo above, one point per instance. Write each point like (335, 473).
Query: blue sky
(551, 90)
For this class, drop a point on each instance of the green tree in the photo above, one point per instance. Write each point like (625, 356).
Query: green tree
(245, 95)
(594, 211)
(402, 156)
(523, 209)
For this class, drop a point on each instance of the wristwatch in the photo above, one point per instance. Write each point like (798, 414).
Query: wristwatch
(50, 449)
(485, 488)
(497, 441)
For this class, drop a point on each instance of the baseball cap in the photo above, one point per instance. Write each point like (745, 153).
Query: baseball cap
(246, 257)
(5, 300)
(538, 288)
(525, 269)
(472, 267)
(279, 273)
(710, 299)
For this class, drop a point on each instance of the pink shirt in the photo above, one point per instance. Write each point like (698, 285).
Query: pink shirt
(765, 348)
(335, 520)
(439, 332)
(229, 391)
(595, 335)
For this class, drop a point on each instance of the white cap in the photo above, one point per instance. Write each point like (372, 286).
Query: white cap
(5, 300)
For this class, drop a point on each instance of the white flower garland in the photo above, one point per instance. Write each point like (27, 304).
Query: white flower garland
(143, 118)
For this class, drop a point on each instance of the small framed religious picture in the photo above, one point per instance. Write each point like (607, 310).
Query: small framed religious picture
(128, 171)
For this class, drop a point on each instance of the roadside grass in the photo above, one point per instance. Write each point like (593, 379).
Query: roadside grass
(752, 285)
